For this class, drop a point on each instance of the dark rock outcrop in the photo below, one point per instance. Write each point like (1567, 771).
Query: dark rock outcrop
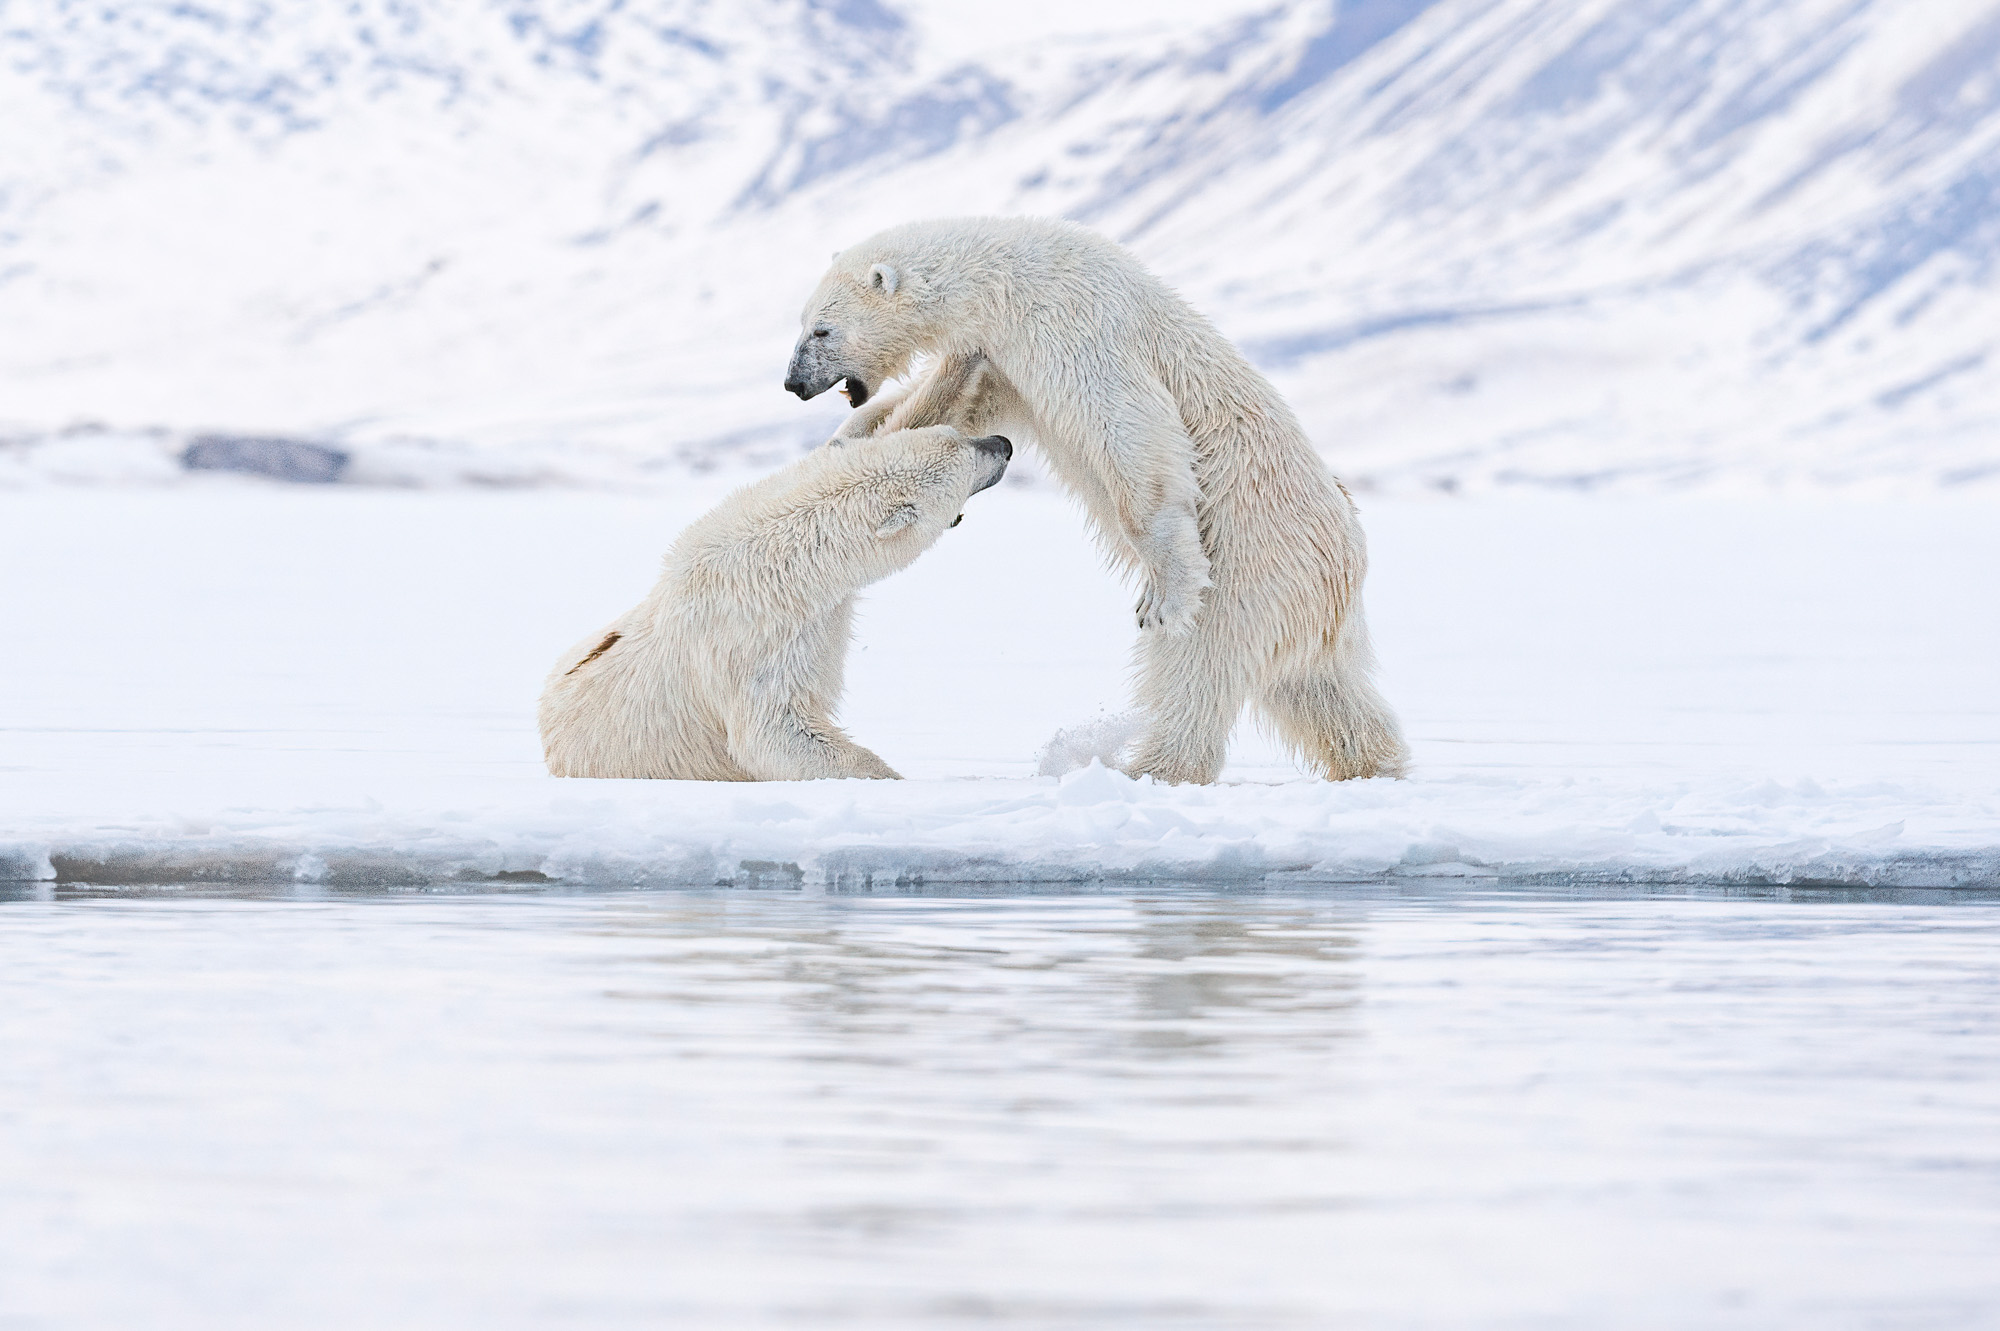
(279, 458)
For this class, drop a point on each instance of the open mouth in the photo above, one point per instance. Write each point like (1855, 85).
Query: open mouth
(854, 391)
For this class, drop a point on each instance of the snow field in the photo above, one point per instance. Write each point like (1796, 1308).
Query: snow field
(234, 680)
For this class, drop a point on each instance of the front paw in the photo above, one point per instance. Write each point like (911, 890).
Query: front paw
(852, 431)
(1172, 611)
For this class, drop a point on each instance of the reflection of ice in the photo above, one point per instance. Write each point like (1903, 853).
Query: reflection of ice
(1170, 1107)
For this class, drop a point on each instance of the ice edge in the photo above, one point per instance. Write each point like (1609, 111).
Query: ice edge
(889, 867)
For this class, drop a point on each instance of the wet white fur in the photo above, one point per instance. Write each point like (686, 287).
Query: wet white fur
(1195, 471)
(731, 669)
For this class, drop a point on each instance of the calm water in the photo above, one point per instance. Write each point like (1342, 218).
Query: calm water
(1155, 1108)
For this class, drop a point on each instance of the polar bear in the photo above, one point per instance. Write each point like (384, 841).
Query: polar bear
(730, 670)
(1195, 472)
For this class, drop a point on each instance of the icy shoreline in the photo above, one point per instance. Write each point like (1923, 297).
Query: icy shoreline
(337, 685)
(1091, 826)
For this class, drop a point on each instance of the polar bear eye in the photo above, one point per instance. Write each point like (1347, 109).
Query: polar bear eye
(821, 332)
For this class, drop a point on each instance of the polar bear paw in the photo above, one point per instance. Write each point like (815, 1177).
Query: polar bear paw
(1171, 610)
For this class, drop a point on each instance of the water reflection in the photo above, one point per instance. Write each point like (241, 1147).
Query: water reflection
(1006, 1063)
(1158, 1107)
(1138, 977)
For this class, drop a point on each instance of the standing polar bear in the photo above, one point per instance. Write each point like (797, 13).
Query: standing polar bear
(1195, 472)
(731, 670)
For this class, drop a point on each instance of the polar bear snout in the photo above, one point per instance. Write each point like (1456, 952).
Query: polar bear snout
(996, 451)
(808, 387)
(809, 375)
(817, 365)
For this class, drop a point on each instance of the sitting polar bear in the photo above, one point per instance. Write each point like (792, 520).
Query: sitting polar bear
(731, 669)
(1193, 469)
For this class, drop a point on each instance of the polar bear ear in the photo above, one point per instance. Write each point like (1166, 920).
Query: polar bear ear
(883, 278)
(901, 516)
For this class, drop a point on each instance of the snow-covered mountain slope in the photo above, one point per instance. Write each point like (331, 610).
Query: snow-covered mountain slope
(1540, 241)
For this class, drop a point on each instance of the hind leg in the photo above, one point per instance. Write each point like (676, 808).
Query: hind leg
(782, 728)
(1326, 709)
(784, 743)
(1192, 685)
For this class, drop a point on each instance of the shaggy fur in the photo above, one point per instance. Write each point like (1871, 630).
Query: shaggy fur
(1195, 472)
(731, 669)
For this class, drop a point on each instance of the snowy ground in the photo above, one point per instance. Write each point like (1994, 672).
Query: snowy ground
(234, 681)
(1419, 1107)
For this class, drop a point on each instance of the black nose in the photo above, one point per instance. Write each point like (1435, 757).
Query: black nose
(797, 386)
(996, 443)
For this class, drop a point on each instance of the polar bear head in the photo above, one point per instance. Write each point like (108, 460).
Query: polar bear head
(907, 486)
(863, 324)
(877, 505)
(841, 518)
